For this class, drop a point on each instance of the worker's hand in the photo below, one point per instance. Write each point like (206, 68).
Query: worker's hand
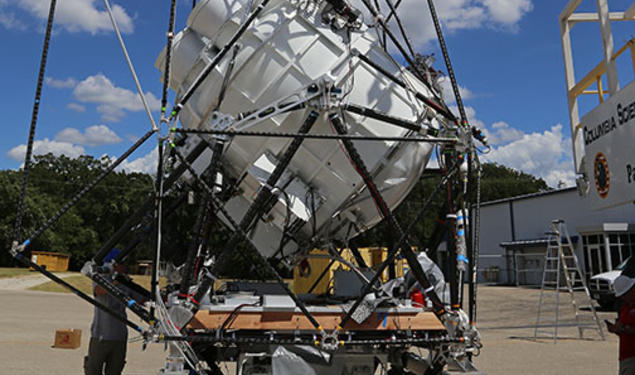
(615, 328)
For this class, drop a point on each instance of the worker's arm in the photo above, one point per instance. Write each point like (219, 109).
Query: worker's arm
(619, 328)
(99, 291)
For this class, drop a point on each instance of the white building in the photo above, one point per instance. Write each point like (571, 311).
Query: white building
(513, 239)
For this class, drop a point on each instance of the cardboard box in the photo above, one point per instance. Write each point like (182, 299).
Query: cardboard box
(68, 338)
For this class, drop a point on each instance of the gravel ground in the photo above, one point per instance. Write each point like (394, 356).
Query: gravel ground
(28, 321)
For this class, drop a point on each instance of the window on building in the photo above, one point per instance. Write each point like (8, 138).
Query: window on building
(595, 261)
(594, 254)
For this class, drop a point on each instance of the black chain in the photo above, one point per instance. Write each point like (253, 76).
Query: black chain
(168, 59)
(448, 63)
(34, 115)
(415, 267)
(349, 137)
(475, 244)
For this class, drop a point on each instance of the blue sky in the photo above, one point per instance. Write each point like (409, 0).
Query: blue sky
(506, 54)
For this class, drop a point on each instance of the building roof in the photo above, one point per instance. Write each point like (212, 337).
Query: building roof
(528, 196)
(533, 242)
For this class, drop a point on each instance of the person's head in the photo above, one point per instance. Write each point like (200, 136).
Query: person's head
(625, 289)
(110, 257)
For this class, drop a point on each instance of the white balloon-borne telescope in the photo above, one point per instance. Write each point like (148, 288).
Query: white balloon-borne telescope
(286, 49)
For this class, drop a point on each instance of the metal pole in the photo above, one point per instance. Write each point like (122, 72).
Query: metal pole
(158, 216)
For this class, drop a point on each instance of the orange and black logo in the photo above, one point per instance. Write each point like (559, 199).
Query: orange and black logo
(602, 175)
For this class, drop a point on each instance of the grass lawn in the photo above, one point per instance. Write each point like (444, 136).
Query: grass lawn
(84, 284)
(6, 272)
(80, 282)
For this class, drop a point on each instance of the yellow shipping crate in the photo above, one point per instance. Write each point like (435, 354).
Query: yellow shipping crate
(305, 277)
(54, 262)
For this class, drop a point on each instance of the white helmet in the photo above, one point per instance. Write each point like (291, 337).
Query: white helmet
(622, 285)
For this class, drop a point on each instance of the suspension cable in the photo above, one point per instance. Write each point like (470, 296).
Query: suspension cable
(36, 109)
(130, 66)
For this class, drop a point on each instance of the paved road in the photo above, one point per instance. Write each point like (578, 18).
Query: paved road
(510, 348)
(28, 321)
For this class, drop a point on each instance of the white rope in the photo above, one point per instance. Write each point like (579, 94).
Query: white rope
(132, 69)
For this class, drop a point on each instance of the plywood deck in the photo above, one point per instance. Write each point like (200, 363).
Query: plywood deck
(277, 320)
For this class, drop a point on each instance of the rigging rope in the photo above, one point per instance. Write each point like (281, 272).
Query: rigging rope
(36, 108)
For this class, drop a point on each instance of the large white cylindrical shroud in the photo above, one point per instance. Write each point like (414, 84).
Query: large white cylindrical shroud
(285, 49)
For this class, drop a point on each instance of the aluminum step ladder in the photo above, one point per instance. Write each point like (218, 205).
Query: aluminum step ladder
(561, 264)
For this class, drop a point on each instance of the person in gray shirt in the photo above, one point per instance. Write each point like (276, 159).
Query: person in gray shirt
(107, 347)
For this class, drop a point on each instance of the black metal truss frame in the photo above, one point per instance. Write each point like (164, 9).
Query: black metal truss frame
(262, 201)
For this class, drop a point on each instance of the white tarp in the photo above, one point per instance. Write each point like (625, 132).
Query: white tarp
(609, 139)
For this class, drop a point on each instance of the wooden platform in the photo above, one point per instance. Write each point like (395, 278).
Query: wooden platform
(276, 320)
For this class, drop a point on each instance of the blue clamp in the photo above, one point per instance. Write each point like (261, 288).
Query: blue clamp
(131, 302)
(462, 258)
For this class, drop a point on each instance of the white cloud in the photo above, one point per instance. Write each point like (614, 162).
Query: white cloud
(80, 15)
(10, 21)
(95, 135)
(76, 107)
(448, 92)
(508, 12)
(500, 132)
(112, 101)
(67, 83)
(455, 15)
(144, 164)
(45, 146)
(546, 155)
